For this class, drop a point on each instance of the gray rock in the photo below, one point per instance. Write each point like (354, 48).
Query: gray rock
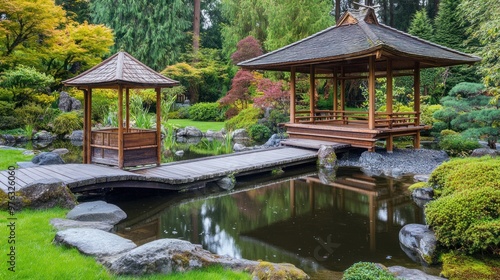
(485, 152)
(187, 102)
(411, 274)
(21, 139)
(62, 224)
(419, 243)
(240, 134)
(45, 194)
(47, 158)
(94, 242)
(76, 135)
(181, 132)
(327, 157)
(210, 133)
(75, 104)
(369, 159)
(273, 141)
(9, 138)
(97, 211)
(421, 178)
(327, 175)
(29, 153)
(61, 151)
(64, 102)
(237, 147)
(226, 183)
(423, 193)
(172, 255)
(44, 136)
(179, 153)
(192, 131)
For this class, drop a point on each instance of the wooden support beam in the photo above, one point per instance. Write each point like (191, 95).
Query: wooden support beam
(389, 143)
(120, 127)
(293, 88)
(86, 137)
(312, 93)
(342, 93)
(416, 102)
(371, 92)
(335, 91)
(127, 109)
(89, 127)
(158, 126)
(389, 87)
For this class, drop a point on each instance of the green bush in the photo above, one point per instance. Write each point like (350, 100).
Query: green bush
(259, 132)
(467, 220)
(466, 90)
(447, 132)
(67, 122)
(473, 175)
(30, 114)
(459, 266)
(183, 112)
(9, 122)
(439, 177)
(244, 119)
(275, 118)
(457, 145)
(207, 112)
(367, 271)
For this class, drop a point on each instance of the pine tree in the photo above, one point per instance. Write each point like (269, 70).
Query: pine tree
(421, 26)
(449, 29)
(154, 31)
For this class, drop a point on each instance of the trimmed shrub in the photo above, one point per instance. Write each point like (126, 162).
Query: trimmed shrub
(207, 112)
(259, 132)
(183, 112)
(460, 266)
(473, 175)
(457, 145)
(419, 185)
(67, 122)
(275, 117)
(467, 220)
(447, 132)
(244, 119)
(367, 271)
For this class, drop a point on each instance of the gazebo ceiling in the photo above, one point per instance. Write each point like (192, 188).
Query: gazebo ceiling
(350, 43)
(121, 69)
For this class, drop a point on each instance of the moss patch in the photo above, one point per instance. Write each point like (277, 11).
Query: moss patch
(458, 266)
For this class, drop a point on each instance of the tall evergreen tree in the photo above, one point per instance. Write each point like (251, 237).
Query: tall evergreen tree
(211, 24)
(154, 31)
(421, 26)
(449, 29)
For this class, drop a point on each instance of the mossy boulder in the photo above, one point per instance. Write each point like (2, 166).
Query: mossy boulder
(367, 271)
(44, 194)
(459, 266)
(272, 271)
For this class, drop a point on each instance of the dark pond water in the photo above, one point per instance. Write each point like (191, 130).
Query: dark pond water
(322, 223)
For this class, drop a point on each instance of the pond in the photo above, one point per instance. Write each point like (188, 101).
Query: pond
(322, 224)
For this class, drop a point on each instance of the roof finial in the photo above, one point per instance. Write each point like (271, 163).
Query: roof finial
(365, 6)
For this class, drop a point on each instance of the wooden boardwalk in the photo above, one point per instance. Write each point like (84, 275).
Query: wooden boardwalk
(175, 176)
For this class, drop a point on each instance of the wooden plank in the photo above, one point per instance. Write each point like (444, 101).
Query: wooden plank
(19, 179)
(293, 87)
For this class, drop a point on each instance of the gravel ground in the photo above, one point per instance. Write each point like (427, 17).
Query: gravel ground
(399, 162)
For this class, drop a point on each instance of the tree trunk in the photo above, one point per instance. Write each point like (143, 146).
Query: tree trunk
(337, 10)
(391, 13)
(196, 26)
(492, 143)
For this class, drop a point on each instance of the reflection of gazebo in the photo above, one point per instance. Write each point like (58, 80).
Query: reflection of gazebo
(122, 146)
(358, 47)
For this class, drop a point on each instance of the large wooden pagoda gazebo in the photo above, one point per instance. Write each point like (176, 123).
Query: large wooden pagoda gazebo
(358, 47)
(122, 146)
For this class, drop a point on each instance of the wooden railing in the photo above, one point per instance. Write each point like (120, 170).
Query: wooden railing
(382, 119)
(139, 146)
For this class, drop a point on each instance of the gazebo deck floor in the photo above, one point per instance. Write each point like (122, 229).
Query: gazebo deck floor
(356, 134)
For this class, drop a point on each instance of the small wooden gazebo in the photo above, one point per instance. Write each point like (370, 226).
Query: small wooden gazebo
(122, 146)
(358, 47)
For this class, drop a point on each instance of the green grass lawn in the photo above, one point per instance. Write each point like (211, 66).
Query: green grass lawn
(38, 258)
(9, 157)
(203, 126)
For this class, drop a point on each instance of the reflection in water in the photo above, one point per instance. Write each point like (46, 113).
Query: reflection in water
(314, 223)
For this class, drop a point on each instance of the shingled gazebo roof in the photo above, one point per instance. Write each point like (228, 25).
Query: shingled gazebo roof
(357, 35)
(121, 69)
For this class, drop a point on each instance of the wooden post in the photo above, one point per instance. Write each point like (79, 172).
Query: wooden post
(86, 137)
(312, 93)
(342, 94)
(120, 126)
(127, 110)
(335, 93)
(89, 127)
(158, 126)
(416, 102)
(371, 92)
(293, 88)
(389, 143)
(311, 197)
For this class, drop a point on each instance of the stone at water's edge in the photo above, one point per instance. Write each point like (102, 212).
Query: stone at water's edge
(94, 242)
(411, 274)
(327, 157)
(97, 211)
(62, 224)
(47, 158)
(43, 194)
(367, 159)
(76, 135)
(240, 134)
(423, 193)
(419, 243)
(485, 151)
(171, 255)
(237, 147)
(226, 183)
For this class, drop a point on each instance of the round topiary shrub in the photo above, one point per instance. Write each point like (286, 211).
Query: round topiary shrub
(207, 112)
(457, 145)
(259, 132)
(65, 123)
(467, 219)
(367, 271)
